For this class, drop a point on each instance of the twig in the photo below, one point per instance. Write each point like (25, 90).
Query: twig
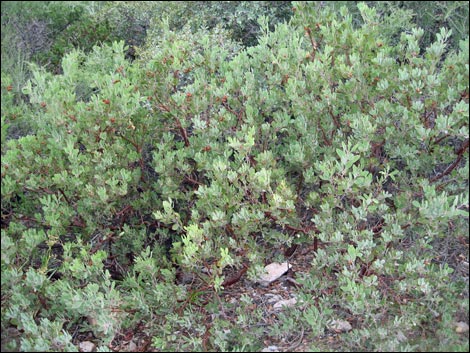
(182, 130)
(334, 117)
(313, 42)
(451, 167)
(236, 278)
(299, 341)
(327, 142)
(192, 181)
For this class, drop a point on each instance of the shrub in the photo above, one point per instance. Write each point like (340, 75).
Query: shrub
(403, 15)
(203, 157)
(239, 18)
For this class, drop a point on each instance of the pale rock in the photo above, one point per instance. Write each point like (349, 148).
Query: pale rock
(132, 347)
(272, 272)
(340, 326)
(285, 302)
(87, 346)
(401, 336)
(270, 349)
(92, 320)
(272, 298)
(461, 327)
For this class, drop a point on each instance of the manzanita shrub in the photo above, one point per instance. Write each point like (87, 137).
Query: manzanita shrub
(205, 156)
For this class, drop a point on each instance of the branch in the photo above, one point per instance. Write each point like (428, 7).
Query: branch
(327, 142)
(450, 168)
(304, 230)
(235, 278)
(238, 114)
(192, 181)
(313, 42)
(182, 130)
(65, 196)
(136, 146)
(335, 118)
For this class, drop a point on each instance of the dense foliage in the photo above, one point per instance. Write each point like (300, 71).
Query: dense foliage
(209, 147)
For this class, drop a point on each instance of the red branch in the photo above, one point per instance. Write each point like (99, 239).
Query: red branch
(183, 132)
(335, 118)
(304, 230)
(235, 278)
(327, 142)
(313, 42)
(192, 181)
(450, 168)
(238, 114)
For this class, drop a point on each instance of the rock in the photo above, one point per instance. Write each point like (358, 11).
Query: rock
(461, 327)
(272, 298)
(184, 277)
(401, 337)
(87, 346)
(340, 326)
(272, 272)
(270, 349)
(285, 302)
(91, 320)
(132, 347)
